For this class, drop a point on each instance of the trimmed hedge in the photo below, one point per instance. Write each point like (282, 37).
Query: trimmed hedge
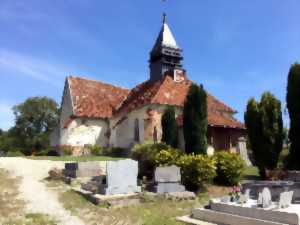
(196, 170)
(230, 168)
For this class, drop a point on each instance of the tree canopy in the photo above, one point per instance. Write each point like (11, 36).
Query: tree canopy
(195, 120)
(265, 130)
(169, 127)
(293, 105)
(35, 119)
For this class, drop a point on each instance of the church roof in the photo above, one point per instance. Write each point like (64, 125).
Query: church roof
(168, 92)
(94, 99)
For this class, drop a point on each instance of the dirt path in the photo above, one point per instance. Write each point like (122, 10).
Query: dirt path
(38, 197)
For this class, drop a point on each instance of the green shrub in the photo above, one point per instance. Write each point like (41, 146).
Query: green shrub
(145, 154)
(167, 157)
(95, 149)
(230, 168)
(14, 154)
(196, 170)
(66, 150)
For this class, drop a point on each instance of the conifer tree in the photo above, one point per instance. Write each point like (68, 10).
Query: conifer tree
(265, 131)
(293, 105)
(169, 127)
(195, 120)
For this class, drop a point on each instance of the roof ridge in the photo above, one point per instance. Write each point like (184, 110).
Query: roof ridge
(93, 80)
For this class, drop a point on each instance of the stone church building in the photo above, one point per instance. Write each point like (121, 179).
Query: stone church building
(94, 112)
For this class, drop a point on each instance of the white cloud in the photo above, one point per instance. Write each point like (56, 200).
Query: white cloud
(23, 65)
(6, 116)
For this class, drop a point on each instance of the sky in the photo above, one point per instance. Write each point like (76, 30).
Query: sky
(237, 49)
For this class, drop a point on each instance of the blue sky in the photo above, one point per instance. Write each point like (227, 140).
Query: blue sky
(236, 48)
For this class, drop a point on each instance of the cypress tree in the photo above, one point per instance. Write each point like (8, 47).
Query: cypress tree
(169, 127)
(272, 129)
(265, 131)
(195, 120)
(293, 105)
(253, 124)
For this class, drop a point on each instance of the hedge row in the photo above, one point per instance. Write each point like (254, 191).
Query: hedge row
(196, 170)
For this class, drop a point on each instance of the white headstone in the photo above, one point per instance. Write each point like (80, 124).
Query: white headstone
(121, 177)
(266, 198)
(285, 199)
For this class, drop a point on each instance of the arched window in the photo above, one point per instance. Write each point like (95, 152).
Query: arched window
(136, 131)
(155, 134)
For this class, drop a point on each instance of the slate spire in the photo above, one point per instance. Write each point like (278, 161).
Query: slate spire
(165, 54)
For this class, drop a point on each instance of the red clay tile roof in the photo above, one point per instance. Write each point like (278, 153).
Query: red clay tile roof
(217, 120)
(166, 92)
(95, 99)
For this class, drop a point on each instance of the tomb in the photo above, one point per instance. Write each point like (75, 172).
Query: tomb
(251, 212)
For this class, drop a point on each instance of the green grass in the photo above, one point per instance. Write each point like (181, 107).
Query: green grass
(39, 219)
(151, 212)
(74, 158)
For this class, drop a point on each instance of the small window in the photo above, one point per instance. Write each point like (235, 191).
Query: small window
(136, 131)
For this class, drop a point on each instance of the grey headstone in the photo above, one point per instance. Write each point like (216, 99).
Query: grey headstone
(71, 166)
(266, 198)
(242, 149)
(121, 177)
(167, 174)
(169, 187)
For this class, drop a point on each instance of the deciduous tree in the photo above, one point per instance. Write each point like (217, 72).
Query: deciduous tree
(35, 119)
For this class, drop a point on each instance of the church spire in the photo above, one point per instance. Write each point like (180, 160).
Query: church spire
(165, 54)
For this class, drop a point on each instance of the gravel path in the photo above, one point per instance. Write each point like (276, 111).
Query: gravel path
(38, 197)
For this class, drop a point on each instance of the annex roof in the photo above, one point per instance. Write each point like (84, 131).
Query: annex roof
(94, 99)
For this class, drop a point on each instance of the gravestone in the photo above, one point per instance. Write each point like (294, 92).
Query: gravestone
(168, 179)
(266, 198)
(121, 177)
(247, 193)
(285, 199)
(242, 149)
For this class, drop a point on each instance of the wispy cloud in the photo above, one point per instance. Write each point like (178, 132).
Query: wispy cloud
(6, 115)
(24, 65)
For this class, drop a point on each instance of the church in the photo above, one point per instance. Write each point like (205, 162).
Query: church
(94, 112)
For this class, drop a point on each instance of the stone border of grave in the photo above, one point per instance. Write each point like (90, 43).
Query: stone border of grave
(255, 212)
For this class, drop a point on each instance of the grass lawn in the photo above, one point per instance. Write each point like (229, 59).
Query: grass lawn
(252, 173)
(154, 211)
(74, 158)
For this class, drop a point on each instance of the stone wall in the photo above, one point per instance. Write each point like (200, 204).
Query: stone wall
(85, 131)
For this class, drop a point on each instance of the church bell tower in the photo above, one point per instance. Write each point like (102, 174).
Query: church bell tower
(165, 55)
